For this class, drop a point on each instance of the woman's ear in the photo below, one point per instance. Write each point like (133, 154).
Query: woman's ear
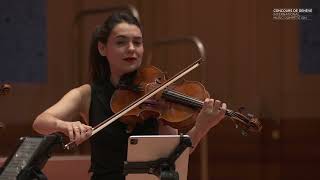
(102, 48)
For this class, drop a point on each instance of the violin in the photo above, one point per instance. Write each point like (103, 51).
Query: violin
(151, 92)
(175, 106)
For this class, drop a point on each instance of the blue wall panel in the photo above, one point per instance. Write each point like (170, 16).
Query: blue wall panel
(310, 39)
(23, 41)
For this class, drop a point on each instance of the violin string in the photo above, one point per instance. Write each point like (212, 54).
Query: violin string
(196, 102)
(183, 98)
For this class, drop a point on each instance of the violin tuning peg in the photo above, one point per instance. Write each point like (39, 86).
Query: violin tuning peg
(165, 74)
(244, 133)
(250, 115)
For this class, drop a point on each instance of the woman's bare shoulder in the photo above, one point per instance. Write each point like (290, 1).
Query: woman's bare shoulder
(85, 93)
(84, 89)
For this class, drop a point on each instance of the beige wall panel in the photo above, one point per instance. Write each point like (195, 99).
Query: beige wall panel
(211, 22)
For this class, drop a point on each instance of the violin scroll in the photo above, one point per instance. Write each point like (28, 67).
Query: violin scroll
(247, 123)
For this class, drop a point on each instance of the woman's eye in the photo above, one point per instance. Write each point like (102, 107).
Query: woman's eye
(137, 43)
(121, 42)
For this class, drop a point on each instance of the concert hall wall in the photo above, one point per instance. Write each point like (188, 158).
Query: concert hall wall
(253, 61)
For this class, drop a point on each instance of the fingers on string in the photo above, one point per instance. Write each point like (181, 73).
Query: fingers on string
(208, 105)
(217, 105)
(223, 108)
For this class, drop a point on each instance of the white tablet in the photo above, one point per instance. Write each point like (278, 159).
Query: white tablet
(150, 148)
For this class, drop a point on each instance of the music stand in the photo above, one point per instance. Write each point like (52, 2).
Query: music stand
(29, 158)
(157, 157)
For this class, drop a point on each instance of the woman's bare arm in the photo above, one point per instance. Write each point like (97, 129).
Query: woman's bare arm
(58, 117)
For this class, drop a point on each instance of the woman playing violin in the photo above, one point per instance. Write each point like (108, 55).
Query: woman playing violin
(115, 54)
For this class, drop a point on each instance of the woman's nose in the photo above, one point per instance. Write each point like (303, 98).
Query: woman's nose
(131, 46)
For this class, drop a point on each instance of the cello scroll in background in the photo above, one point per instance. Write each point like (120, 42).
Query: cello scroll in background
(5, 89)
(2, 125)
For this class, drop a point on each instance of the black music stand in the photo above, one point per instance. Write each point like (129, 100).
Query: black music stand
(157, 157)
(29, 158)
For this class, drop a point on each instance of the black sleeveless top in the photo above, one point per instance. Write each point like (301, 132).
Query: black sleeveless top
(109, 146)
